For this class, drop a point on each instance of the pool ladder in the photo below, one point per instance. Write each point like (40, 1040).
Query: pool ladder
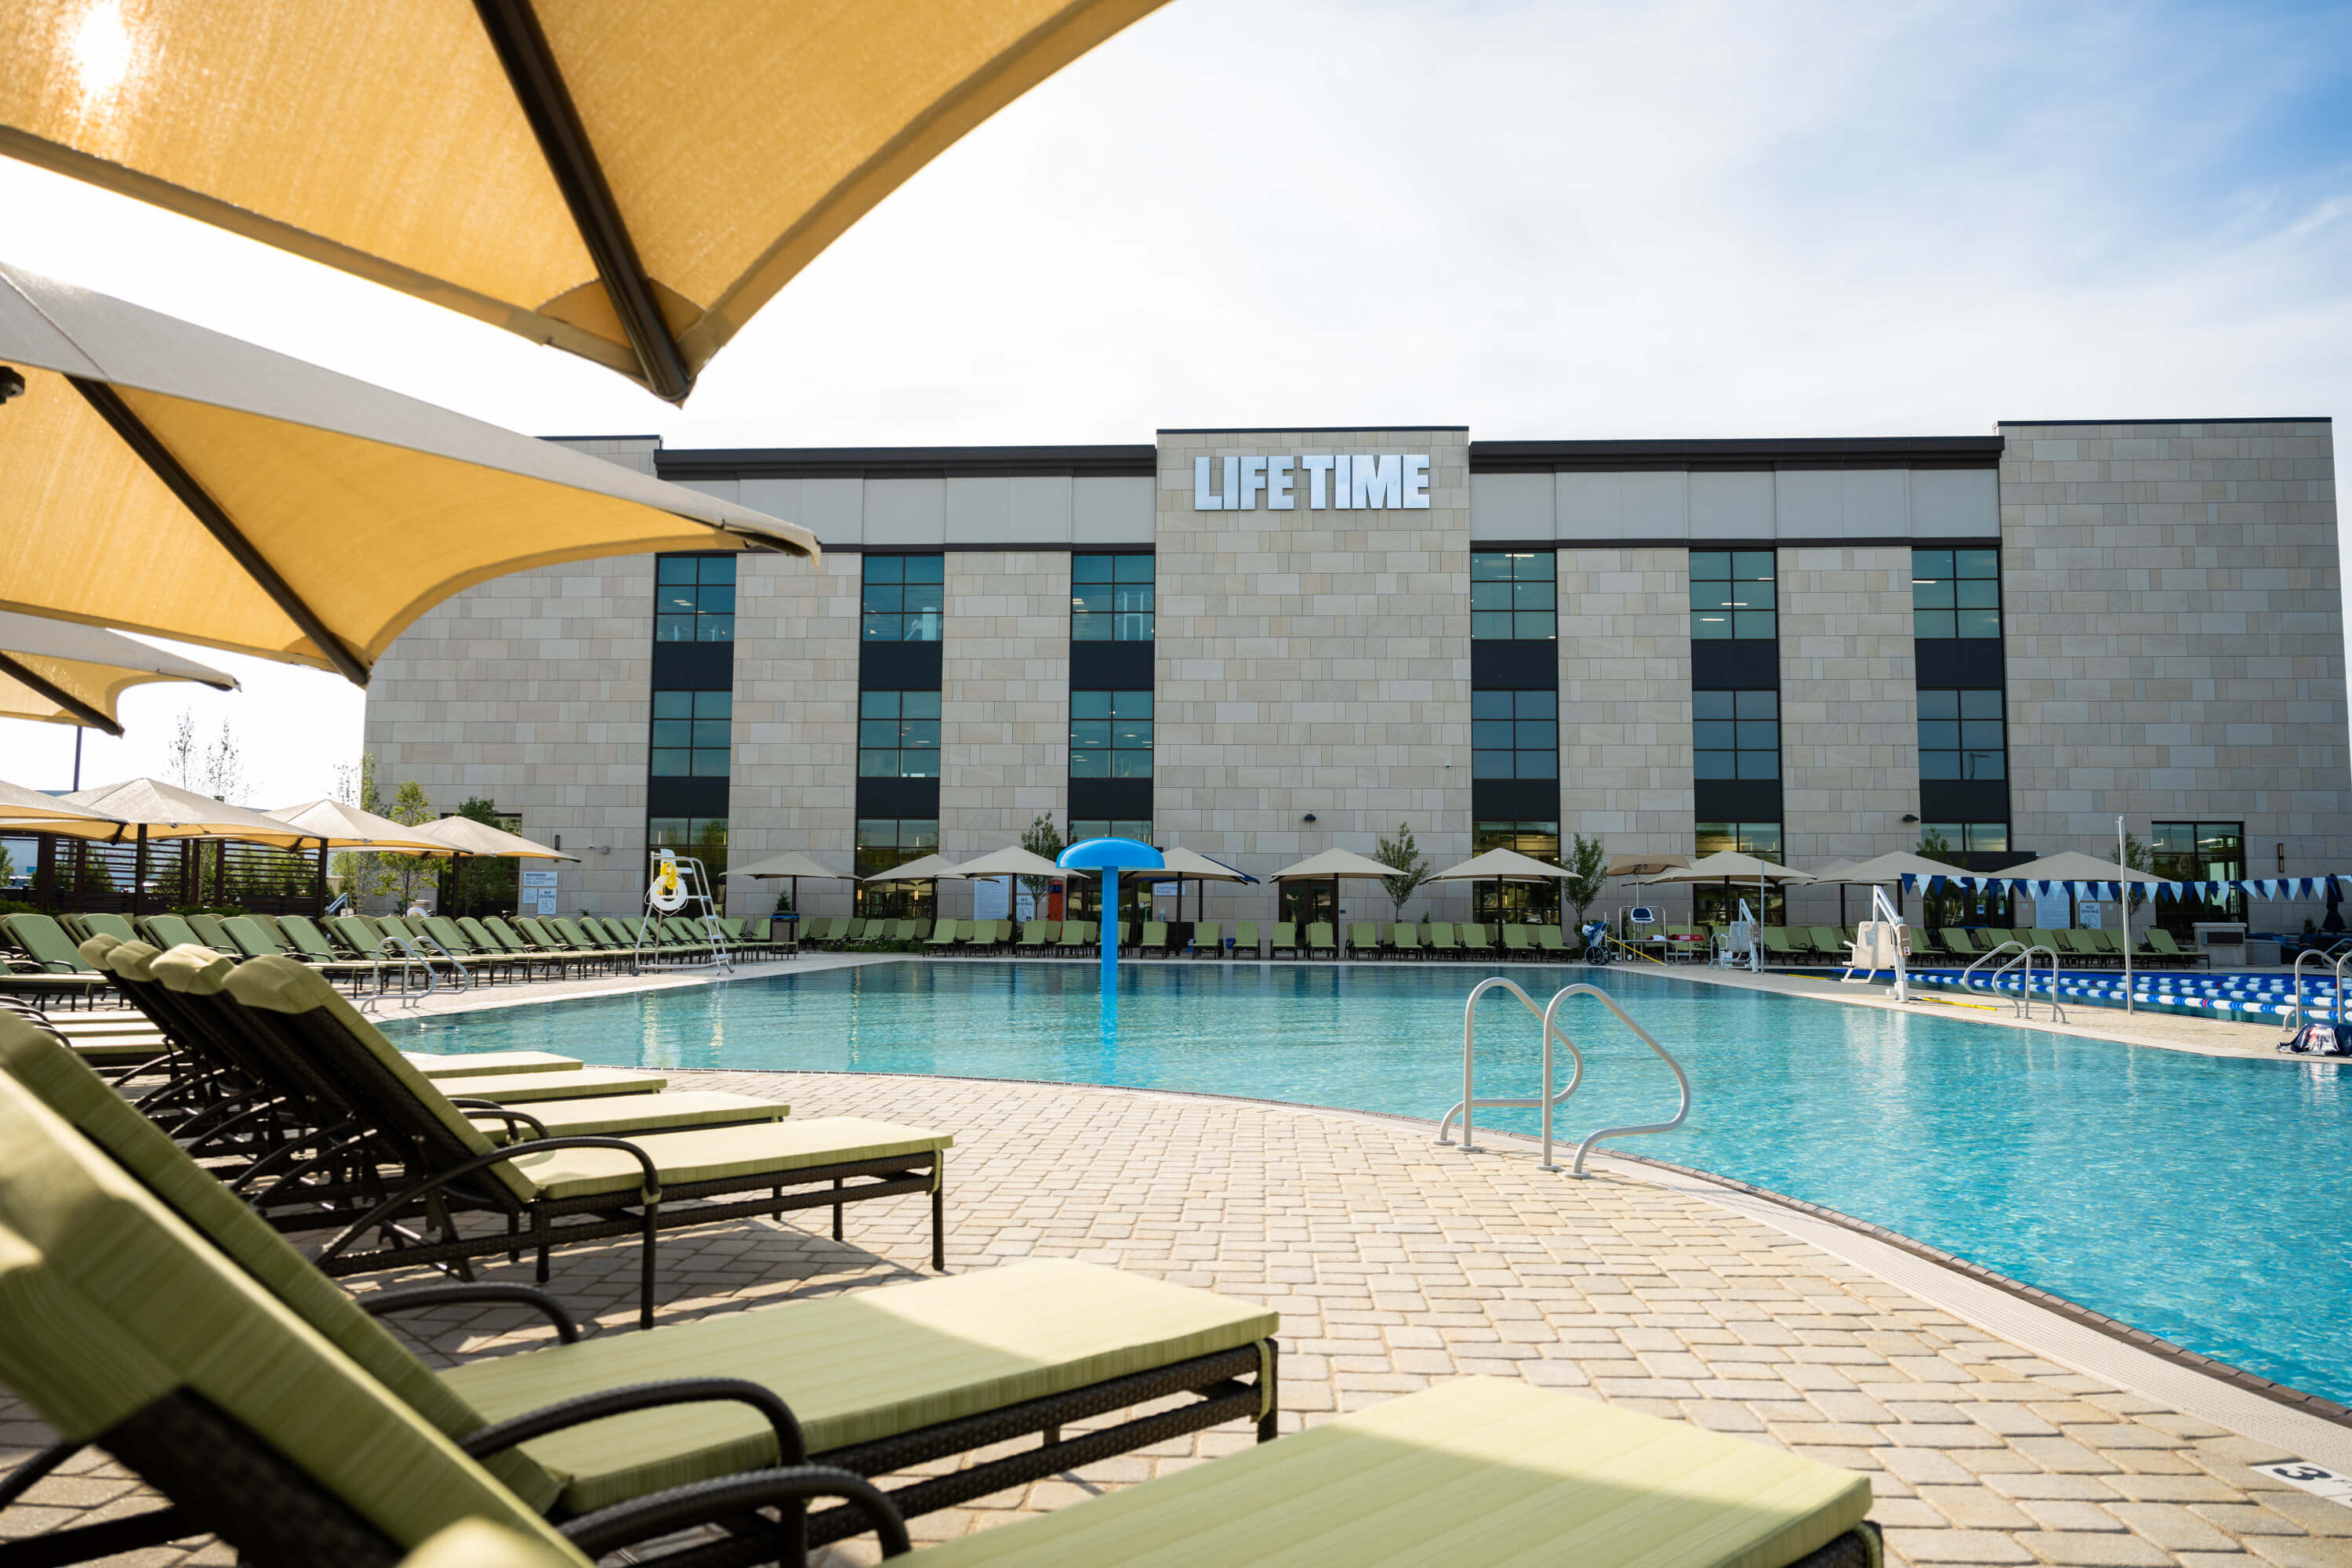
(2024, 1003)
(1547, 1102)
(2342, 955)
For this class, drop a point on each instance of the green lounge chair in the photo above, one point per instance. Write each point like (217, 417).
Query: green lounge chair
(168, 932)
(1037, 934)
(1155, 938)
(45, 943)
(115, 926)
(948, 934)
(1441, 940)
(1209, 939)
(1126, 935)
(1827, 944)
(1320, 939)
(1404, 941)
(869, 1373)
(1245, 940)
(208, 930)
(1514, 939)
(2162, 946)
(1476, 941)
(1285, 939)
(1551, 944)
(570, 1193)
(1778, 948)
(1364, 939)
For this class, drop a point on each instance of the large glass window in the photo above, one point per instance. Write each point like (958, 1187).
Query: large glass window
(1084, 829)
(1956, 593)
(1714, 904)
(1516, 901)
(905, 596)
(694, 599)
(690, 733)
(1761, 839)
(1962, 736)
(1940, 838)
(897, 734)
(705, 838)
(1515, 734)
(884, 842)
(1736, 734)
(1110, 598)
(2198, 852)
(1110, 734)
(1513, 596)
(1734, 595)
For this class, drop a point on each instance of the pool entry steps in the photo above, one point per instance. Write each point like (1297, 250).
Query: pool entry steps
(1547, 1101)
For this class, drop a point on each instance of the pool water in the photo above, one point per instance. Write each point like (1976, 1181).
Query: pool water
(2202, 1199)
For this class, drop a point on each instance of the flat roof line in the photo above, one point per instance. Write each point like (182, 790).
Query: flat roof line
(1295, 429)
(2281, 419)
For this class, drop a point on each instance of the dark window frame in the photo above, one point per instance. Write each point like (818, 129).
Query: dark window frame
(1733, 598)
(694, 599)
(1117, 738)
(1120, 605)
(1956, 594)
(888, 586)
(1529, 720)
(1754, 751)
(885, 716)
(1978, 740)
(698, 743)
(1514, 595)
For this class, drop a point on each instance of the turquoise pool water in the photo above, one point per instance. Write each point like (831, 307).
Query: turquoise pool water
(2200, 1199)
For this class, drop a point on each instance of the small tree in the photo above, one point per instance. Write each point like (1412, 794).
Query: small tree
(1587, 869)
(224, 767)
(1042, 839)
(410, 873)
(183, 751)
(2136, 857)
(361, 874)
(1412, 869)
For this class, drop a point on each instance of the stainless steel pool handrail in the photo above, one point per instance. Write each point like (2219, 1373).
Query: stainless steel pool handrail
(1551, 1031)
(1983, 959)
(2342, 953)
(2025, 982)
(404, 953)
(1547, 1100)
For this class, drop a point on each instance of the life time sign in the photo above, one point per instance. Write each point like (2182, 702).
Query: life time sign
(1360, 483)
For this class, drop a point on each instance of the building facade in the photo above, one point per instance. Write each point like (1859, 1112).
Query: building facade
(1259, 644)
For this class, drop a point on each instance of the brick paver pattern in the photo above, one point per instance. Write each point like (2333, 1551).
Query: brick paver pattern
(1396, 1263)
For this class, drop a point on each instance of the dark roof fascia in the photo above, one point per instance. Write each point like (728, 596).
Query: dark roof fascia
(905, 462)
(2281, 419)
(1835, 452)
(1302, 429)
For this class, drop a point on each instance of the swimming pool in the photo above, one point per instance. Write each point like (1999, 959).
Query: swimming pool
(2202, 1199)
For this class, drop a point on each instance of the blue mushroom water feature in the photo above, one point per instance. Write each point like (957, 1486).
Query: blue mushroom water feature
(1107, 857)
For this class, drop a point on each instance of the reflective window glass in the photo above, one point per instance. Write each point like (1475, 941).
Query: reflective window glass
(1955, 594)
(1513, 596)
(1736, 734)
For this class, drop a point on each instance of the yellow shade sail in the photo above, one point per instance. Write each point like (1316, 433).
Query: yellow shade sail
(57, 672)
(629, 180)
(159, 478)
(25, 810)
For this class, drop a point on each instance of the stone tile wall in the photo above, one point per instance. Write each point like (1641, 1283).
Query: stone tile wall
(532, 691)
(1625, 698)
(1314, 662)
(795, 784)
(1004, 734)
(2172, 607)
(1849, 713)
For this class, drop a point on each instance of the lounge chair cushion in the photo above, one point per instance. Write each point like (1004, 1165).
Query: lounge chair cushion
(1475, 1470)
(482, 1063)
(721, 1153)
(114, 1304)
(857, 1367)
(478, 1543)
(629, 1115)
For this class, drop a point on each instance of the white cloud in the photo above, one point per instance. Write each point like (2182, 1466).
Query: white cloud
(1601, 220)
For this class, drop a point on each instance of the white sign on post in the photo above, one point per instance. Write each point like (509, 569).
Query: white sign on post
(538, 895)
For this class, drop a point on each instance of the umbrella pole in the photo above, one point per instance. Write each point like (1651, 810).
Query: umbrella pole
(139, 876)
(318, 885)
(2122, 910)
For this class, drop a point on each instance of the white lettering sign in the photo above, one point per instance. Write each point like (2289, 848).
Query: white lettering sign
(1339, 482)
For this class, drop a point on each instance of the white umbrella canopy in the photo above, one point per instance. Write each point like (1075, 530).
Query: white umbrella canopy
(1730, 865)
(1333, 863)
(1191, 866)
(929, 868)
(1889, 867)
(156, 810)
(2068, 866)
(29, 811)
(348, 828)
(791, 863)
(466, 837)
(1648, 864)
(60, 672)
(1012, 861)
(1500, 866)
(628, 180)
(164, 479)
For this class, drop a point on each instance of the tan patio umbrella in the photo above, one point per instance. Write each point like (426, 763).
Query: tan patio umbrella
(927, 868)
(628, 180)
(1729, 865)
(1192, 866)
(1012, 861)
(1644, 865)
(25, 810)
(2070, 866)
(57, 672)
(1500, 866)
(1891, 866)
(792, 863)
(336, 826)
(467, 836)
(157, 811)
(1332, 866)
(159, 478)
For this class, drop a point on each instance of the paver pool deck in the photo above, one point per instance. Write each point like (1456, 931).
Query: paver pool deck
(1992, 1431)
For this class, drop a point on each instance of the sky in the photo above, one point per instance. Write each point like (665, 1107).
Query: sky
(1603, 220)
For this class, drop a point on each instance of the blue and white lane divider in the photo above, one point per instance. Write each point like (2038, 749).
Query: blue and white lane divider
(2250, 998)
